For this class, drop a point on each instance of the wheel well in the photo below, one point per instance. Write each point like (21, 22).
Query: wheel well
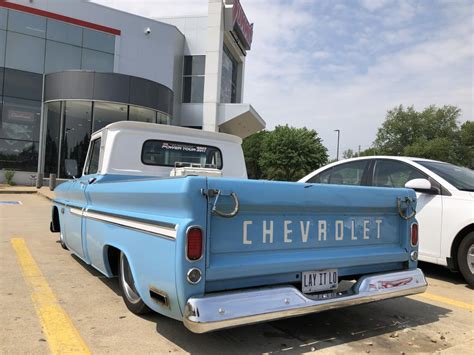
(55, 225)
(113, 257)
(454, 247)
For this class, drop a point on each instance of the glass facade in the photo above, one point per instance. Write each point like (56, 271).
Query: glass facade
(228, 78)
(193, 78)
(69, 127)
(30, 46)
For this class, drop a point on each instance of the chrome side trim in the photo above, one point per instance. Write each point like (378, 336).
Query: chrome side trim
(161, 230)
(76, 211)
(231, 309)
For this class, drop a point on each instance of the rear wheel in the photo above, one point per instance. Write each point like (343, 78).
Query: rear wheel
(130, 294)
(466, 258)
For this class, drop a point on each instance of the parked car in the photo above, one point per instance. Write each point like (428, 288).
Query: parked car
(445, 209)
(171, 212)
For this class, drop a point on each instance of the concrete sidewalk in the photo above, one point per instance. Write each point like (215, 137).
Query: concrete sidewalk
(44, 191)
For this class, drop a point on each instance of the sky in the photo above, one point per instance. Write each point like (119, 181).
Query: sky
(341, 64)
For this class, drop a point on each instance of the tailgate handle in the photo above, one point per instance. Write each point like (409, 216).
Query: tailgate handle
(219, 193)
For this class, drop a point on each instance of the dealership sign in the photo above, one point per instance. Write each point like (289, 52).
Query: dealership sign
(237, 22)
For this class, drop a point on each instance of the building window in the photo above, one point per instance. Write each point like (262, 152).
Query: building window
(53, 117)
(20, 119)
(228, 78)
(142, 114)
(25, 52)
(106, 113)
(76, 137)
(193, 78)
(18, 155)
(60, 56)
(23, 84)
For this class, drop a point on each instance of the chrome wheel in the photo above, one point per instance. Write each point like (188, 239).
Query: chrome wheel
(129, 289)
(470, 258)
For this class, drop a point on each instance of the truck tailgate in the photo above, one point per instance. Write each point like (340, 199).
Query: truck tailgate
(283, 228)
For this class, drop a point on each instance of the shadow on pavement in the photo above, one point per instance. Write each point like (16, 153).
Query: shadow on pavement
(389, 325)
(394, 319)
(441, 273)
(112, 283)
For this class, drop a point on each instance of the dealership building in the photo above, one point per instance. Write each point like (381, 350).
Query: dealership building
(68, 68)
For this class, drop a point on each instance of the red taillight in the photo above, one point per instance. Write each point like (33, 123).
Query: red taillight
(194, 244)
(414, 235)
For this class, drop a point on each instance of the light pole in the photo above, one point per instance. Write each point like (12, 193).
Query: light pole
(338, 135)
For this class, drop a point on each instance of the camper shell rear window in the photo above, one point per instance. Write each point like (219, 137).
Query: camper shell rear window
(176, 154)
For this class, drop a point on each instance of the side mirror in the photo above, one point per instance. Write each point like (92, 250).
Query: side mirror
(421, 185)
(70, 165)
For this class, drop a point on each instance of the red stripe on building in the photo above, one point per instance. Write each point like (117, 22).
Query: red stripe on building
(74, 21)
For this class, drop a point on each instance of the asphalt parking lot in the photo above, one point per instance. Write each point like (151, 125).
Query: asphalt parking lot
(441, 320)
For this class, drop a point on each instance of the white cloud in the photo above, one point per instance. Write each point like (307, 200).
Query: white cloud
(373, 5)
(321, 55)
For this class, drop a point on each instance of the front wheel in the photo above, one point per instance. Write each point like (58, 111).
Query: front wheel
(130, 294)
(61, 241)
(466, 258)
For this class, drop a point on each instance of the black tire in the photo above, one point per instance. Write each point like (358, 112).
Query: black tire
(130, 294)
(61, 241)
(466, 258)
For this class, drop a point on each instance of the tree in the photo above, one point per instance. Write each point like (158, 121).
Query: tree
(348, 153)
(289, 153)
(466, 144)
(252, 147)
(433, 133)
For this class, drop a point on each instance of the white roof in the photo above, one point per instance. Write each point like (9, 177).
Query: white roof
(148, 128)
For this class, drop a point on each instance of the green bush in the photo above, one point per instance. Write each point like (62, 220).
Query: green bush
(9, 174)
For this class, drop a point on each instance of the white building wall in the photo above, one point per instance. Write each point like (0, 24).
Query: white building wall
(152, 56)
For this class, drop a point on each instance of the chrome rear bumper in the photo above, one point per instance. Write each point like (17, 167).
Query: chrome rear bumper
(231, 309)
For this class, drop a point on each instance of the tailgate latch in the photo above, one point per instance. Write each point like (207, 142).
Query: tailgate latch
(406, 208)
(211, 193)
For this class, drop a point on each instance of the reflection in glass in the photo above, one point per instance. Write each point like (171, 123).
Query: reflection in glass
(18, 155)
(98, 61)
(25, 52)
(228, 78)
(23, 84)
(98, 40)
(20, 119)
(60, 56)
(76, 135)
(162, 118)
(194, 64)
(64, 32)
(193, 89)
(106, 113)
(3, 42)
(142, 114)
(53, 117)
(3, 18)
(29, 24)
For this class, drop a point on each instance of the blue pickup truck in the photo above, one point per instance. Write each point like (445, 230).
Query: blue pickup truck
(170, 211)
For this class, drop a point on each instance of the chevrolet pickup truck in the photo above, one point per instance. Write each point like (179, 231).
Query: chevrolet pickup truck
(170, 211)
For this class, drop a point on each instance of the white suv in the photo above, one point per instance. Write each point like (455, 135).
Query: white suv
(445, 209)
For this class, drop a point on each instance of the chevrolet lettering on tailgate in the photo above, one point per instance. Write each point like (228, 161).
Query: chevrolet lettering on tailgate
(305, 231)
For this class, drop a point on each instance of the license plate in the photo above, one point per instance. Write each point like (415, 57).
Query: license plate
(321, 280)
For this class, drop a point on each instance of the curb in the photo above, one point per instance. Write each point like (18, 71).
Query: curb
(17, 192)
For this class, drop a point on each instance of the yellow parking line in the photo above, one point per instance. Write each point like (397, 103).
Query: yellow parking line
(441, 299)
(60, 332)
